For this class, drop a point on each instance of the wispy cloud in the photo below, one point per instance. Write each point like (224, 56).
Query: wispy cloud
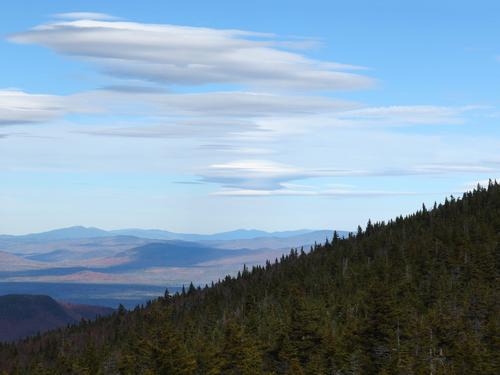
(409, 115)
(339, 193)
(267, 178)
(84, 16)
(179, 55)
(258, 114)
(212, 104)
(232, 149)
(195, 128)
(453, 168)
(18, 107)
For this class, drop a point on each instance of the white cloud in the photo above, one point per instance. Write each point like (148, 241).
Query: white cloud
(18, 107)
(255, 174)
(263, 175)
(182, 55)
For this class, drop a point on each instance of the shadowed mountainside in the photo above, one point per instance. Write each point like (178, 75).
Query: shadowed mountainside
(26, 315)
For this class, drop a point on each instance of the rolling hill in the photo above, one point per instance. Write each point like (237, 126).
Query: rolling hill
(171, 254)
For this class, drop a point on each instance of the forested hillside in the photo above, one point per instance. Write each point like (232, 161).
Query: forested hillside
(416, 295)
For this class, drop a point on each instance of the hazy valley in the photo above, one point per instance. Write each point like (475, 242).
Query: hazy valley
(90, 265)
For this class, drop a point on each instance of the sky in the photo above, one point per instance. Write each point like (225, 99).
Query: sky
(207, 116)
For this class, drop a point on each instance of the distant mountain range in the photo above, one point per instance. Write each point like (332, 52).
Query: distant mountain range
(26, 315)
(138, 256)
(274, 242)
(238, 234)
(77, 232)
(80, 232)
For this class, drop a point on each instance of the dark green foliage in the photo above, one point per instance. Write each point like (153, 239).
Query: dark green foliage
(417, 295)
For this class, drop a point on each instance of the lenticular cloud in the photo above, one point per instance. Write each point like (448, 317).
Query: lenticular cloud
(179, 55)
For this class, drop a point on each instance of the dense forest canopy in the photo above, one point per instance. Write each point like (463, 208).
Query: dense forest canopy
(416, 295)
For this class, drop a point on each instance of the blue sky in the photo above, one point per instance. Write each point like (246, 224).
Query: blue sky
(209, 116)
